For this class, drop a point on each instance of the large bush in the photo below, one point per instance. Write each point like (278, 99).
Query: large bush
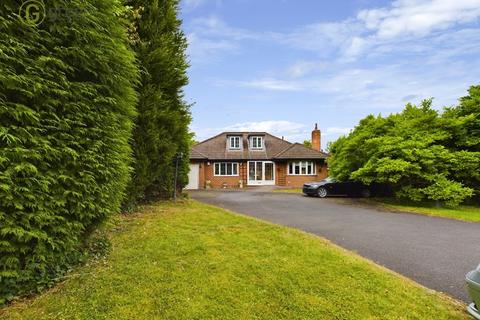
(161, 128)
(421, 153)
(66, 109)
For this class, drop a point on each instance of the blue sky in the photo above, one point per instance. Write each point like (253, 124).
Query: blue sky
(281, 66)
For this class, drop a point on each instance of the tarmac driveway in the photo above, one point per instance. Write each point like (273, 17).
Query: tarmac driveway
(435, 252)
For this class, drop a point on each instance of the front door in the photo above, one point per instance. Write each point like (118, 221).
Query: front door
(261, 173)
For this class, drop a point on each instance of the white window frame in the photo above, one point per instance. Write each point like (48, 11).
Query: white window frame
(252, 144)
(234, 147)
(309, 166)
(217, 169)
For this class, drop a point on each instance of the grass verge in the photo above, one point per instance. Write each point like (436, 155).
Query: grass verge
(194, 261)
(292, 190)
(464, 213)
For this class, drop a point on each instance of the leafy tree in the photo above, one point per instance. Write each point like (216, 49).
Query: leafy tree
(411, 151)
(464, 123)
(161, 129)
(349, 154)
(469, 110)
(66, 108)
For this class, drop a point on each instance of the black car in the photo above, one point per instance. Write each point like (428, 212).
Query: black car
(330, 186)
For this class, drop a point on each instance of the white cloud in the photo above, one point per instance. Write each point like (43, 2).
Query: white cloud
(291, 131)
(323, 38)
(335, 131)
(346, 81)
(210, 37)
(272, 84)
(393, 28)
(419, 17)
(384, 87)
(356, 46)
(191, 5)
(283, 127)
(303, 68)
(215, 28)
(378, 60)
(405, 25)
(203, 49)
(379, 30)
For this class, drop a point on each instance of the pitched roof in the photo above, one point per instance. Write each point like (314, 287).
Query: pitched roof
(194, 154)
(215, 148)
(299, 151)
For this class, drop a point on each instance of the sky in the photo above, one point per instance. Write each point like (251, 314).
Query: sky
(281, 66)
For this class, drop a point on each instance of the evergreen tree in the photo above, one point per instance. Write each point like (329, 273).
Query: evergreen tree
(67, 104)
(161, 130)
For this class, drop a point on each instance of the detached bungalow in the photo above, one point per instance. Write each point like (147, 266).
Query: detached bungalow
(240, 159)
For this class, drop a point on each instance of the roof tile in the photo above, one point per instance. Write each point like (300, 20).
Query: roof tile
(215, 148)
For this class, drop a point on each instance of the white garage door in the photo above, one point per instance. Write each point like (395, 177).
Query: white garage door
(193, 177)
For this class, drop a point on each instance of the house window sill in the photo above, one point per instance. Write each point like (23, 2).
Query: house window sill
(226, 176)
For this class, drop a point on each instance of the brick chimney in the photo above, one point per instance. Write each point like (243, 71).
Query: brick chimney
(316, 139)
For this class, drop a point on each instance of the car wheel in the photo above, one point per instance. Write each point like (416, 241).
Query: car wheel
(366, 193)
(322, 192)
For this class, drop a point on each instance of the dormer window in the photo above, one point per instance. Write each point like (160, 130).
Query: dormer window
(256, 143)
(234, 143)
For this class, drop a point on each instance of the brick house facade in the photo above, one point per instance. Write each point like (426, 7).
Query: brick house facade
(241, 159)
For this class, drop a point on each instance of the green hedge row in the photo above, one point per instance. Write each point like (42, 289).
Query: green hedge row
(67, 105)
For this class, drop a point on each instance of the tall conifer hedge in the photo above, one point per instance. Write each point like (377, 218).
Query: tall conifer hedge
(161, 128)
(66, 108)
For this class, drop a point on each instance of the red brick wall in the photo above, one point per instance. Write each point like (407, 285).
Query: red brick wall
(316, 139)
(282, 178)
(218, 181)
(286, 180)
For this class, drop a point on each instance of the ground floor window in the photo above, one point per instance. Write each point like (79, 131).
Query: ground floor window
(301, 168)
(226, 169)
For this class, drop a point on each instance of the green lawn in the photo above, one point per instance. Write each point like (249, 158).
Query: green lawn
(465, 213)
(194, 261)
